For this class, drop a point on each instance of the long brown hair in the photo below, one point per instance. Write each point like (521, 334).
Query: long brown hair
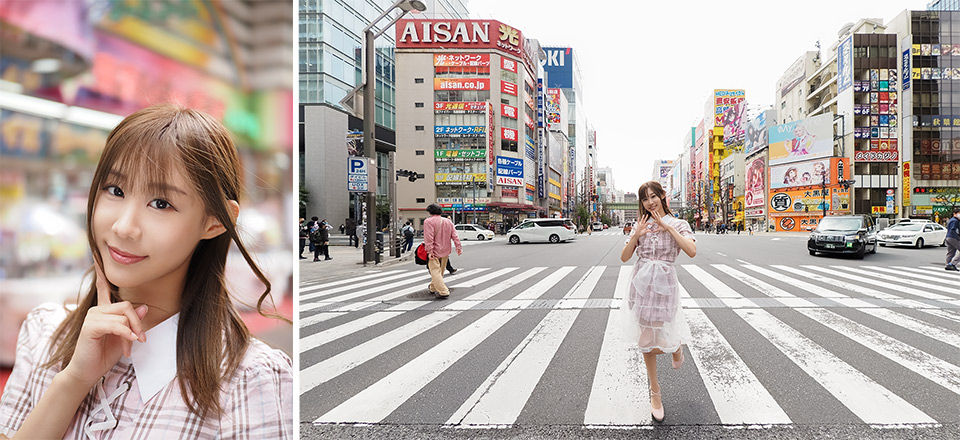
(211, 339)
(658, 191)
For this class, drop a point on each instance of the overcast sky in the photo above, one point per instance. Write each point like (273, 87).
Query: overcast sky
(649, 66)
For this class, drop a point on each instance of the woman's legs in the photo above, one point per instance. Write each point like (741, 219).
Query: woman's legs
(650, 360)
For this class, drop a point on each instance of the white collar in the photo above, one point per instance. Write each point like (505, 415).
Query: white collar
(155, 361)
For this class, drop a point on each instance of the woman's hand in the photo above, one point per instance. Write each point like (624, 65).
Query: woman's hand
(639, 230)
(108, 332)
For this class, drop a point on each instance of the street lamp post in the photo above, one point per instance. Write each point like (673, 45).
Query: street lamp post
(369, 111)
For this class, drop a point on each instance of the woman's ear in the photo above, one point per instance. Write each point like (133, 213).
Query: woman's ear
(214, 228)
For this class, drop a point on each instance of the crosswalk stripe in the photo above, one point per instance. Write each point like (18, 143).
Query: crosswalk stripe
(886, 285)
(737, 395)
(717, 287)
(330, 314)
(619, 392)
(350, 280)
(939, 270)
(895, 279)
(910, 323)
(354, 286)
(943, 314)
(377, 401)
(473, 300)
(364, 292)
(404, 286)
(871, 402)
(930, 367)
(812, 288)
(483, 279)
(842, 299)
(505, 392)
(765, 288)
(623, 282)
(322, 337)
(338, 364)
(940, 277)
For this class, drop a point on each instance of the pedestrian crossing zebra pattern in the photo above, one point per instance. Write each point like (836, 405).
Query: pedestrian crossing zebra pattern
(769, 345)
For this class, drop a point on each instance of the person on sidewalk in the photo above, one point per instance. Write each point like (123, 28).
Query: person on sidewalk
(651, 310)
(351, 231)
(953, 241)
(407, 236)
(304, 234)
(437, 234)
(320, 237)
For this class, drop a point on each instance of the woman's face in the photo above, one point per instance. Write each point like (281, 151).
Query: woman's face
(145, 238)
(652, 202)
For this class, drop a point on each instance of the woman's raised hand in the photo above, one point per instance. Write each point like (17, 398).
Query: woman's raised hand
(108, 332)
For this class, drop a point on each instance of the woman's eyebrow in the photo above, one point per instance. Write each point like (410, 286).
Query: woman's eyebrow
(155, 186)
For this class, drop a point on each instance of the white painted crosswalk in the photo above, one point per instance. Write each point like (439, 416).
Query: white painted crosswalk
(906, 317)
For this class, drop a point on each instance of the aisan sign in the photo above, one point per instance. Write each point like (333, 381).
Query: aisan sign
(473, 34)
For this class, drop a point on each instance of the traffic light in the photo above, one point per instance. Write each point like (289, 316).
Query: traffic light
(410, 175)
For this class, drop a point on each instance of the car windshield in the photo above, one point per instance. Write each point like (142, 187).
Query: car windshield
(839, 224)
(907, 227)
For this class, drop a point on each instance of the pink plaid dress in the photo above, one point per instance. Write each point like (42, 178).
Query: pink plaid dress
(653, 316)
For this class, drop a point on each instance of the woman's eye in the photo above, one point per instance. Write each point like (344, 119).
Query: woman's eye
(113, 190)
(160, 204)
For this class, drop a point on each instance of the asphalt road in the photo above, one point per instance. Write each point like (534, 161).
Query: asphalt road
(783, 344)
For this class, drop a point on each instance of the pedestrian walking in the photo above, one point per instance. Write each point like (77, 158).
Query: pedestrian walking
(304, 235)
(437, 234)
(651, 311)
(312, 225)
(342, 228)
(92, 371)
(320, 237)
(351, 231)
(408, 234)
(953, 241)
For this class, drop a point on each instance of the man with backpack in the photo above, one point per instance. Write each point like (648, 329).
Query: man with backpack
(437, 234)
(407, 236)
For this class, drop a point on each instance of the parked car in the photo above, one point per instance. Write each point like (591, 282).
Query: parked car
(553, 230)
(628, 228)
(844, 234)
(917, 234)
(469, 231)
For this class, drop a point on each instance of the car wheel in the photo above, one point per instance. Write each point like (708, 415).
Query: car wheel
(862, 252)
(874, 248)
(812, 252)
(920, 243)
(944, 244)
(514, 239)
(554, 238)
(480, 237)
(883, 245)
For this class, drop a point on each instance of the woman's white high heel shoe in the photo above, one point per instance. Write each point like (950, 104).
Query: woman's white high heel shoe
(657, 413)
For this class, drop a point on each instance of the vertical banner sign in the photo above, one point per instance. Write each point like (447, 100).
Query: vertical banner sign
(906, 185)
(491, 130)
(905, 70)
(541, 193)
(845, 65)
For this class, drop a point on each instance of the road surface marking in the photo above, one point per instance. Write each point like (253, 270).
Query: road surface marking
(885, 284)
(313, 287)
(619, 394)
(737, 395)
(870, 402)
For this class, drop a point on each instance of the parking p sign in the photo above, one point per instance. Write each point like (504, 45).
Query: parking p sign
(361, 174)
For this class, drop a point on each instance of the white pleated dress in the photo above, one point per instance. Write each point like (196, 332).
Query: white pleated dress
(653, 317)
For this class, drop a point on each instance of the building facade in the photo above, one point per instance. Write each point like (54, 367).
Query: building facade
(468, 120)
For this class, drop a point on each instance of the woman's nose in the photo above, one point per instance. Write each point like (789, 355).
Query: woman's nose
(127, 225)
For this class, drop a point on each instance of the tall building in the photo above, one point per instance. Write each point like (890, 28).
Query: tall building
(562, 68)
(468, 121)
(791, 99)
(330, 68)
(928, 61)
(722, 105)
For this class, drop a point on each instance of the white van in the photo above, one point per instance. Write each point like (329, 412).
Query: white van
(470, 231)
(553, 230)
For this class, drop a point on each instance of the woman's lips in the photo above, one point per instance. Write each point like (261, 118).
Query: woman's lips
(123, 257)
